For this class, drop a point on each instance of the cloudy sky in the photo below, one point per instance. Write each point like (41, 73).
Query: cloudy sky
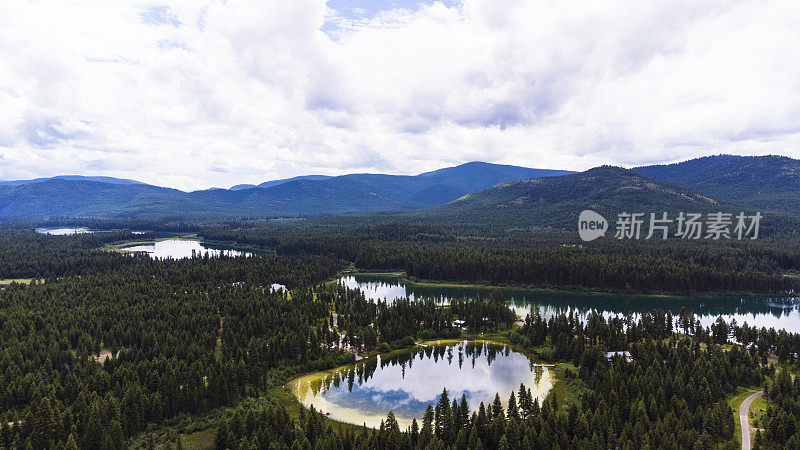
(199, 93)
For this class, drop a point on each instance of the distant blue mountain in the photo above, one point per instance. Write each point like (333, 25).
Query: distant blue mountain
(267, 184)
(240, 187)
(110, 180)
(63, 198)
(84, 197)
(355, 193)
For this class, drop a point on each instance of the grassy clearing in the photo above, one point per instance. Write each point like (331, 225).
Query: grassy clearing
(757, 410)
(376, 274)
(565, 390)
(7, 281)
(402, 276)
(218, 349)
(201, 440)
(119, 246)
(101, 357)
(285, 396)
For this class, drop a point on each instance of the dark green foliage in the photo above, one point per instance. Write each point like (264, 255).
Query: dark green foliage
(672, 395)
(538, 259)
(110, 344)
(157, 325)
(26, 254)
(781, 422)
(184, 337)
(361, 321)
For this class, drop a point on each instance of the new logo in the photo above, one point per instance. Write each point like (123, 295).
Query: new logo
(591, 225)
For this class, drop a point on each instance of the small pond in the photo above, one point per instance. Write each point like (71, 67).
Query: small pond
(406, 382)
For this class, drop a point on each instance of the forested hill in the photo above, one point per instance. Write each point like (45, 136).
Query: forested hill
(557, 201)
(55, 198)
(764, 182)
(304, 196)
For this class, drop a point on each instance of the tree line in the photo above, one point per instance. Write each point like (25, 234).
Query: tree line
(539, 258)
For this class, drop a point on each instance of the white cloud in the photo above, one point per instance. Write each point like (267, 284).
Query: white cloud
(193, 94)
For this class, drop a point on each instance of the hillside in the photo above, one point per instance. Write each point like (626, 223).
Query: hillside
(59, 198)
(557, 201)
(271, 183)
(763, 182)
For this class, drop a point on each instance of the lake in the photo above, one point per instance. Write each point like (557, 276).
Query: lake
(778, 313)
(181, 248)
(406, 382)
(63, 231)
(69, 231)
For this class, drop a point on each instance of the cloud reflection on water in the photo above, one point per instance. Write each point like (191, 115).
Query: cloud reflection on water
(407, 383)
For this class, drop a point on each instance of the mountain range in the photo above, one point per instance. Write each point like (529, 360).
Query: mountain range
(84, 197)
(472, 192)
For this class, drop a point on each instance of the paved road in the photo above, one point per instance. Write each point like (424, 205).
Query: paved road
(744, 419)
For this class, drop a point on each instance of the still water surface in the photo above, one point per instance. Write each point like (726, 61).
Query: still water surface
(778, 313)
(181, 248)
(63, 231)
(69, 231)
(406, 383)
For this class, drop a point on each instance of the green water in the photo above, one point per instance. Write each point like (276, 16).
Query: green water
(778, 313)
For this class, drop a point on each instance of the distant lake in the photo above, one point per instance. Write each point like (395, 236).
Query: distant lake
(68, 231)
(181, 248)
(63, 231)
(778, 313)
(407, 382)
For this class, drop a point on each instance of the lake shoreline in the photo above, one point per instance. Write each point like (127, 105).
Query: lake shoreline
(772, 312)
(125, 247)
(554, 370)
(402, 276)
